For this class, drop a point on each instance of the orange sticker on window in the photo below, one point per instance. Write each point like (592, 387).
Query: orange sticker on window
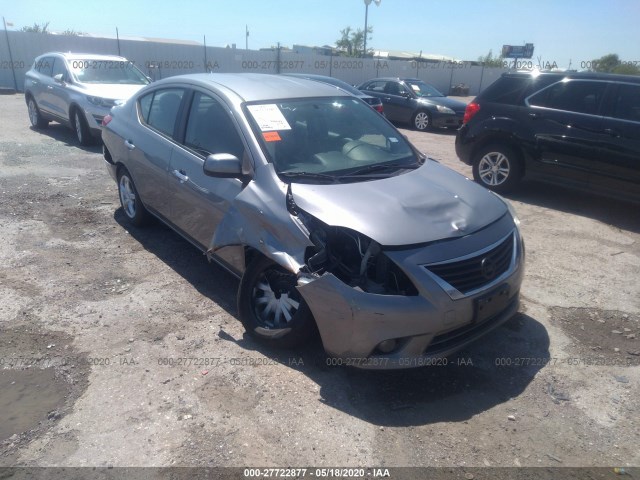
(271, 136)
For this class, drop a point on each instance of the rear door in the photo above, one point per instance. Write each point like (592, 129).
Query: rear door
(618, 169)
(42, 84)
(566, 119)
(58, 92)
(198, 202)
(150, 145)
(398, 104)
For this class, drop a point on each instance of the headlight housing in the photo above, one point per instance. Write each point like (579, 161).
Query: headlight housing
(103, 102)
(443, 109)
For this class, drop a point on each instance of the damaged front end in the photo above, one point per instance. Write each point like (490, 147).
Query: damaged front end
(375, 306)
(350, 256)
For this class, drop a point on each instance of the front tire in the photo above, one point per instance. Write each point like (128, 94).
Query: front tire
(498, 168)
(133, 208)
(271, 308)
(35, 117)
(81, 128)
(422, 121)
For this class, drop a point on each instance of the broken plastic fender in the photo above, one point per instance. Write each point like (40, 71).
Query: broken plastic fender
(258, 218)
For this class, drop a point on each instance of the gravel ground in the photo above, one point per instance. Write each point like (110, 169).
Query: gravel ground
(105, 332)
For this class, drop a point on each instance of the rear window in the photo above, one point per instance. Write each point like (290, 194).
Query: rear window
(506, 90)
(513, 90)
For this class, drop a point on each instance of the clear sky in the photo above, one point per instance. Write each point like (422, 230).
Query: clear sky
(561, 30)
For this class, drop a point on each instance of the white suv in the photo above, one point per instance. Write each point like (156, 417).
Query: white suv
(78, 90)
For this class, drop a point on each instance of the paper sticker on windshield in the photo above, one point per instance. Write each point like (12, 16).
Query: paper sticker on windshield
(269, 117)
(416, 88)
(271, 136)
(393, 139)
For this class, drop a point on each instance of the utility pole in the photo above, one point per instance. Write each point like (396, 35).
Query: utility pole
(246, 37)
(13, 71)
(366, 20)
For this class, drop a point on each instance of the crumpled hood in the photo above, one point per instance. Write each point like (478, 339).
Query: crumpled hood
(111, 91)
(427, 204)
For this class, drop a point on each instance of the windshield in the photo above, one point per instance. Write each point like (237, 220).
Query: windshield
(421, 89)
(328, 139)
(107, 72)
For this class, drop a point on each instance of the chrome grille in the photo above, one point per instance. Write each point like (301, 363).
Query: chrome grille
(477, 271)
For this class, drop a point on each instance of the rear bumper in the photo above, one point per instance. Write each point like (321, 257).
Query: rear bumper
(464, 148)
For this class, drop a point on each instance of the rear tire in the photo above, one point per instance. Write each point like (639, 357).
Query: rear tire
(498, 168)
(81, 128)
(35, 117)
(132, 206)
(271, 308)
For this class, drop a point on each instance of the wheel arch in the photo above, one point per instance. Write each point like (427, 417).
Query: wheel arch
(501, 138)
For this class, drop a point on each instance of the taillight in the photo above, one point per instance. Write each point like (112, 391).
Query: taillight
(106, 120)
(470, 111)
(379, 108)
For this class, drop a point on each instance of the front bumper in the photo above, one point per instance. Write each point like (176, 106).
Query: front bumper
(427, 326)
(94, 115)
(442, 120)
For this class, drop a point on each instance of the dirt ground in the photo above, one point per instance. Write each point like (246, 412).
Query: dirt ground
(121, 346)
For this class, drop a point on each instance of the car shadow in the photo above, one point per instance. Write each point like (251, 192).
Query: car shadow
(63, 134)
(209, 279)
(618, 213)
(486, 374)
(490, 372)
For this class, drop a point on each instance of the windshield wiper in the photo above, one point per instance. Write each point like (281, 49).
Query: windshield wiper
(381, 167)
(310, 175)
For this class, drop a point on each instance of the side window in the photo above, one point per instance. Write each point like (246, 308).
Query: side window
(210, 128)
(59, 67)
(159, 109)
(44, 65)
(145, 106)
(376, 86)
(571, 96)
(394, 88)
(626, 103)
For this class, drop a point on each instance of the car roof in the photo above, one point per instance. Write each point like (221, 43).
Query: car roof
(395, 79)
(611, 77)
(336, 82)
(83, 56)
(256, 87)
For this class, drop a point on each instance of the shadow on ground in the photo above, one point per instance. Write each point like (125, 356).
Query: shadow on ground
(618, 213)
(65, 135)
(462, 386)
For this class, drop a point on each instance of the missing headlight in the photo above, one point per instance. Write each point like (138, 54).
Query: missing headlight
(352, 257)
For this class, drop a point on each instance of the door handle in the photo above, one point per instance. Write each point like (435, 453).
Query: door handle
(534, 116)
(129, 145)
(49, 87)
(180, 175)
(612, 132)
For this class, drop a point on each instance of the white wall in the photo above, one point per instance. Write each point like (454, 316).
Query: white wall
(176, 59)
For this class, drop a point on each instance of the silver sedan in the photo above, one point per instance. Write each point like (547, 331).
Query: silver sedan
(332, 220)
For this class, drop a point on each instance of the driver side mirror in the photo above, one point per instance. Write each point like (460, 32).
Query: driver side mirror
(222, 165)
(59, 78)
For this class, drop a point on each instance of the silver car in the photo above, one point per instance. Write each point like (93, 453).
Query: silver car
(331, 219)
(78, 90)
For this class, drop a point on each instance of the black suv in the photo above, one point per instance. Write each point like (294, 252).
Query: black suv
(580, 129)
